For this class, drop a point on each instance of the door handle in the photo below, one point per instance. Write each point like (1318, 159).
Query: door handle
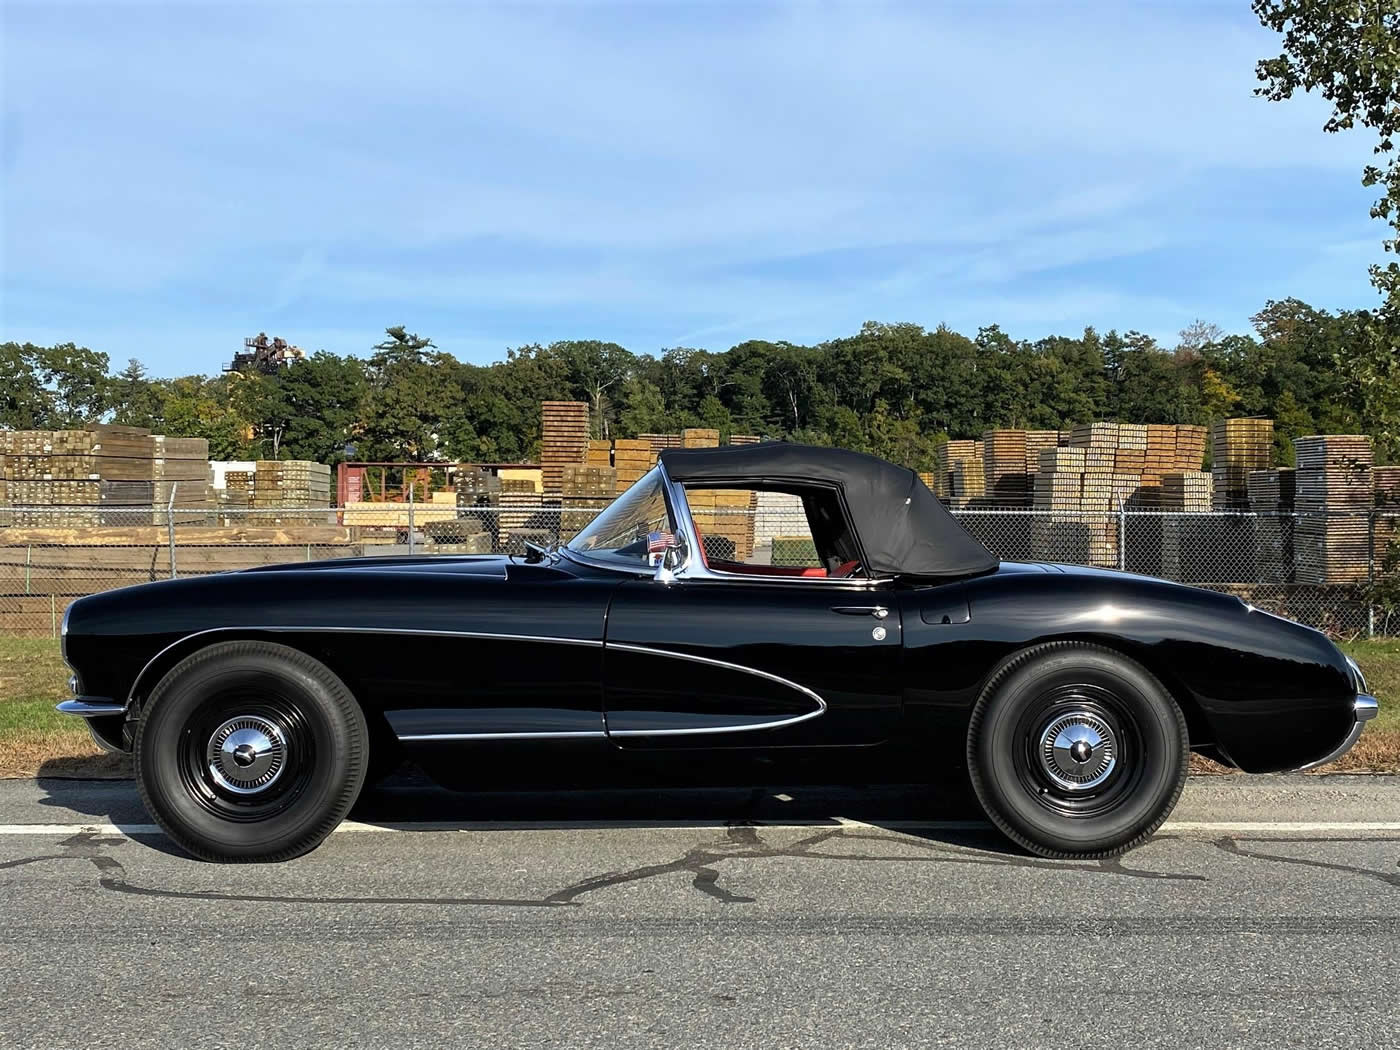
(877, 611)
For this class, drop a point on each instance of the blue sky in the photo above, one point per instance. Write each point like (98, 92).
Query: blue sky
(178, 176)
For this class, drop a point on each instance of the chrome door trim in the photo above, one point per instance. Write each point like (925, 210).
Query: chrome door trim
(543, 735)
(646, 650)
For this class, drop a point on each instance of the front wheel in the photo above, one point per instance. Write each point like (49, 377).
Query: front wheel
(250, 751)
(1076, 750)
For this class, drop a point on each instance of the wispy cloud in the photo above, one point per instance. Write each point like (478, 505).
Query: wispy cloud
(179, 175)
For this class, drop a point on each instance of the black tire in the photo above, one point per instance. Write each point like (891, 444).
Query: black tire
(1093, 703)
(306, 752)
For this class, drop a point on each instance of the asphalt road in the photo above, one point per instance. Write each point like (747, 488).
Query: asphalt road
(1267, 916)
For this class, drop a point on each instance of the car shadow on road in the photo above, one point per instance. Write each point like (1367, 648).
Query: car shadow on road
(655, 791)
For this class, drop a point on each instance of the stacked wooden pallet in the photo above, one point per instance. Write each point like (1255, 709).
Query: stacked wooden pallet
(1238, 446)
(1271, 496)
(520, 518)
(699, 437)
(478, 501)
(744, 439)
(586, 491)
(947, 456)
(286, 490)
(1386, 527)
(6, 516)
(1004, 468)
(180, 469)
(563, 439)
(599, 453)
(725, 521)
(657, 442)
(1037, 441)
(632, 458)
(969, 479)
(1185, 541)
(1334, 496)
(776, 514)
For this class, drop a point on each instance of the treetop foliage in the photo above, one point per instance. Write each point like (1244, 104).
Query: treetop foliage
(890, 389)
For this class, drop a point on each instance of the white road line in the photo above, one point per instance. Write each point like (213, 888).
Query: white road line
(1283, 827)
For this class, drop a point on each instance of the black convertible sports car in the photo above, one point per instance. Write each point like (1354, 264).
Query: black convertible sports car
(258, 702)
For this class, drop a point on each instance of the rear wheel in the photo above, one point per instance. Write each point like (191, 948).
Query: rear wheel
(250, 751)
(1076, 750)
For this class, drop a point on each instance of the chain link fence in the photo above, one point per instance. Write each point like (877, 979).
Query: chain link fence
(1314, 568)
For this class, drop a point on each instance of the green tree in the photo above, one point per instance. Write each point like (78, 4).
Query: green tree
(1348, 51)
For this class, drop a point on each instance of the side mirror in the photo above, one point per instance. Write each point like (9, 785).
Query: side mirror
(671, 558)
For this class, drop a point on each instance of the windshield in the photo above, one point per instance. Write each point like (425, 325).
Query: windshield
(633, 530)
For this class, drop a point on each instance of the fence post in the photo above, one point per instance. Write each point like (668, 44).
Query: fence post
(411, 487)
(1122, 535)
(170, 526)
(28, 570)
(1370, 572)
(53, 615)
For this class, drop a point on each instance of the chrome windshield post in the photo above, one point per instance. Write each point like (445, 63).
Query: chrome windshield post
(685, 528)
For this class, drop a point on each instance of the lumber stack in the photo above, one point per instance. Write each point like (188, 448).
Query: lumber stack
(1386, 527)
(1238, 446)
(284, 487)
(657, 442)
(1271, 496)
(725, 520)
(104, 452)
(632, 457)
(699, 437)
(969, 480)
(478, 502)
(1333, 495)
(1004, 468)
(519, 502)
(563, 440)
(6, 517)
(598, 453)
(1186, 537)
(744, 439)
(947, 455)
(586, 491)
(180, 469)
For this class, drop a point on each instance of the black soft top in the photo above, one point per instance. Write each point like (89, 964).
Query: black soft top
(904, 530)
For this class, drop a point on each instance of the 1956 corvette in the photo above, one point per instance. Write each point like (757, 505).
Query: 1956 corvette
(258, 702)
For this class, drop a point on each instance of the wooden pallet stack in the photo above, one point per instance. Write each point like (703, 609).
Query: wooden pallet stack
(1060, 533)
(586, 491)
(521, 518)
(1386, 528)
(1271, 496)
(1004, 468)
(947, 456)
(969, 478)
(563, 440)
(87, 472)
(1185, 539)
(744, 439)
(699, 437)
(1334, 496)
(657, 442)
(598, 453)
(1037, 441)
(6, 516)
(1238, 446)
(286, 491)
(632, 457)
(180, 468)
(725, 521)
(479, 501)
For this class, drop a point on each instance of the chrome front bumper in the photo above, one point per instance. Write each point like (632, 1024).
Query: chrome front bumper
(1363, 709)
(92, 707)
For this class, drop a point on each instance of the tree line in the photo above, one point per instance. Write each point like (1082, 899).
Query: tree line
(891, 389)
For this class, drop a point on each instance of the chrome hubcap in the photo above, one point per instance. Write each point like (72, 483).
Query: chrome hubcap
(247, 754)
(1078, 750)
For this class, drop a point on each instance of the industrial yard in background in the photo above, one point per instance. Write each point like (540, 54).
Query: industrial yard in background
(86, 510)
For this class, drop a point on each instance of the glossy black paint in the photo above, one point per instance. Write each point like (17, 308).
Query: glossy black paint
(438, 648)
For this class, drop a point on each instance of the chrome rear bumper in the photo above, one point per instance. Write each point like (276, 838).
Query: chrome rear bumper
(1363, 709)
(92, 707)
